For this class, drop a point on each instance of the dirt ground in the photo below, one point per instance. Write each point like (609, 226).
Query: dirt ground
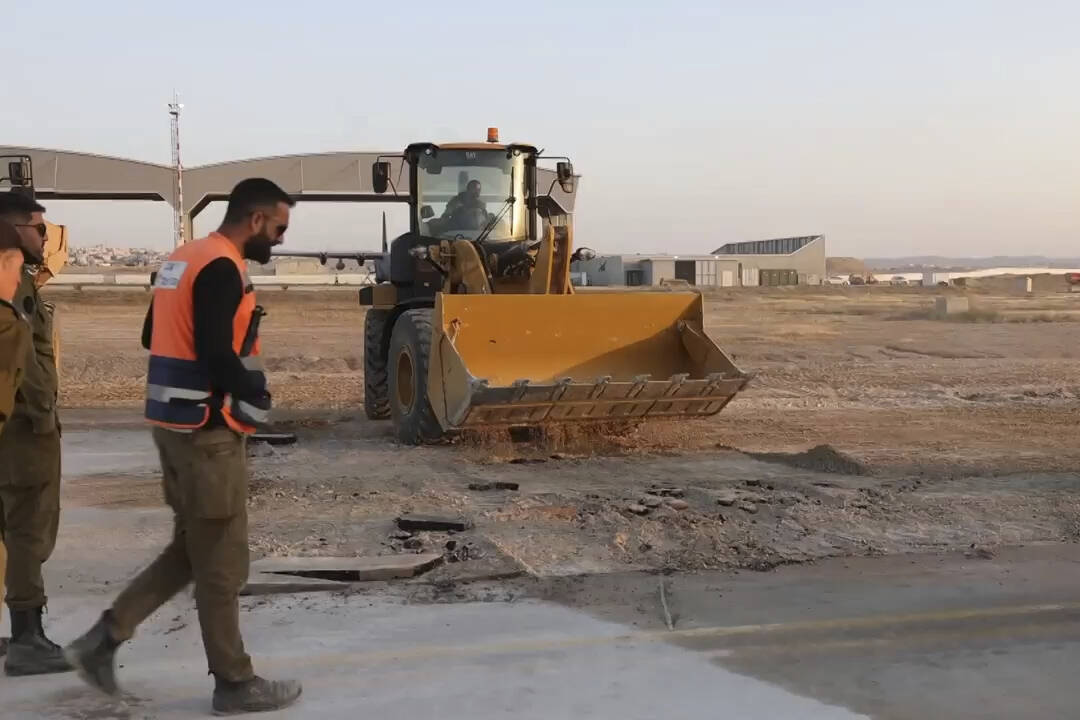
(927, 434)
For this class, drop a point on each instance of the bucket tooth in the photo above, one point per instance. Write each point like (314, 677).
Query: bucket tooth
(712, 381)
(676, 382)
(598, 387)
(520, 388)
(557, 391)
(640, 382)
(561, 386)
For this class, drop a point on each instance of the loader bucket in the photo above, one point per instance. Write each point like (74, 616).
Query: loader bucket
(503, 360)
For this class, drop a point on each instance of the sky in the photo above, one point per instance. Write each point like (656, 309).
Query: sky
(945, 127)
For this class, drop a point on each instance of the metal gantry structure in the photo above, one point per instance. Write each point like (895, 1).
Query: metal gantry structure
(308, 177)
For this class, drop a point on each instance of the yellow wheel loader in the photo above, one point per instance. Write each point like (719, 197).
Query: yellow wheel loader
(473, 321)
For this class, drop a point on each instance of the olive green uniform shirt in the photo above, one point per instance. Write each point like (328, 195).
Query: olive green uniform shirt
(14, 352)
(36, 398)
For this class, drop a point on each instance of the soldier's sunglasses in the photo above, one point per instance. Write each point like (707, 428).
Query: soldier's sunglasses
(40, 227)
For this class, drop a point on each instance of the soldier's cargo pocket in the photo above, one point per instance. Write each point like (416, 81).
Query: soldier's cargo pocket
(218, 485)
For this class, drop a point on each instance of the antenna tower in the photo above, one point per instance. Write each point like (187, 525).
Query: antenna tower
(178, 182)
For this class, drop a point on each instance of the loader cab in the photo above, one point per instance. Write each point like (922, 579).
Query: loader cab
(461, 191)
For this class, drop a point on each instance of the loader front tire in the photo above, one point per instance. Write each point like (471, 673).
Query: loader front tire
(376, 383)
(410, 348)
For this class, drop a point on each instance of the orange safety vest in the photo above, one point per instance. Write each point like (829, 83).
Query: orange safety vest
(179, 394)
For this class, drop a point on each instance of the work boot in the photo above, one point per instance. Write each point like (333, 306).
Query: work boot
(255, 695)
(29, 651)
(94, 657)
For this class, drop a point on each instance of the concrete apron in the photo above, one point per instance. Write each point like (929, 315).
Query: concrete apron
(531, 659)
(476, 660)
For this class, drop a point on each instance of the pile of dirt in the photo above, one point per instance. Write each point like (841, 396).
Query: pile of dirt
(582, 438)
(823, 458)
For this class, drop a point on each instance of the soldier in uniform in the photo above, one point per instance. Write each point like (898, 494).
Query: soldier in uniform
(14, 345)
(206, 391)
(30, 462)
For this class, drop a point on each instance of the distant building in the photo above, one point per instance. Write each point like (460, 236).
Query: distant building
(101, 256)
(634, 270)
(783, 261)
(779, 261)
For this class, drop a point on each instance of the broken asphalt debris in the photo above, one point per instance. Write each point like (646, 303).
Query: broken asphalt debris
(499, 485)
(268, 572)
(273, 438)
(435, 523)
(727, 498)
(460, 552)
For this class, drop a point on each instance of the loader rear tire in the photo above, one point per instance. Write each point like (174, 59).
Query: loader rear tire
(410, 348)
(376, 382)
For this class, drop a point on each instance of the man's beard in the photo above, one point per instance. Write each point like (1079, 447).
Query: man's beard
(31, 259)
(259, 249)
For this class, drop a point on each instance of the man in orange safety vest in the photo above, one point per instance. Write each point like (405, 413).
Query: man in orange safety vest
(205, 393)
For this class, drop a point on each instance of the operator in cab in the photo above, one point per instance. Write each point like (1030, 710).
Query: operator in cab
(466, 211)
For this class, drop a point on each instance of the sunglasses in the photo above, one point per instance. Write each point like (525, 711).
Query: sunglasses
(40, 227)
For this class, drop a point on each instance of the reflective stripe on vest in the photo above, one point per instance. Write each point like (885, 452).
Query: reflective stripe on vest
(242, 409)
(179, 394)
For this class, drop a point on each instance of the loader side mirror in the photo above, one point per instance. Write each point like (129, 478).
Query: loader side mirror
(19, 172)
(380, 176)
(564, 171)
(426, 213)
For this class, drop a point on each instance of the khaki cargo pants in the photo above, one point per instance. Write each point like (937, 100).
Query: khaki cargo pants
(29, 509)
(204, 475)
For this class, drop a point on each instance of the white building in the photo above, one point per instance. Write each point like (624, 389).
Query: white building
(782, 261)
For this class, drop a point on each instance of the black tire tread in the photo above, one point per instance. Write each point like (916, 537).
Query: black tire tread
(376, 374)
(419, 426)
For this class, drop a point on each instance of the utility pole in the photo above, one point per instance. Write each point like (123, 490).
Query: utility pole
(178, 180)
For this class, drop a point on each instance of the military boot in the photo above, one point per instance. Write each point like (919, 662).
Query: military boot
(29, 651)
(255, 695)
(94, 657)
